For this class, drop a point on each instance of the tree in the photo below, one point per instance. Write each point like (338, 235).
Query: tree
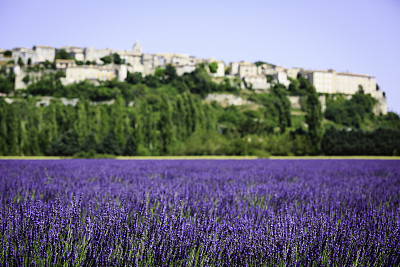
(7, 80)
(20, 62)
(152, 81)
(81, 122)
(7, 53)
(29, 61)
(116, 59)
(62, 54)
(227, 70)
(134, 78)
(110, 144)
(130, 147)
(67, 145)
(170, 72)
(165, 125)
(314, 118)
(213, 66)
(106, 60)
(26, 79)
(117, 121)
(159, 73)
(282, 104)
(12, 129)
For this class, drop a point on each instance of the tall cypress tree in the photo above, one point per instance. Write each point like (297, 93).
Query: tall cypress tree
(314, 118)
(179, 118)
(117, 121)
(13, 129)
(3, 127)
(165, 125)
(81, 122)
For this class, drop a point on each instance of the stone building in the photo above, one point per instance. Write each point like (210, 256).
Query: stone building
(293, 72)
(257, 82)
(220, 69)
(44, 53)
(247, 69)
(94, 73)
(266, 69)
(62, 64)
(281, 77)
(93, 54)
(74, 52)
(234, 68)
(24, 54)
(331, 82)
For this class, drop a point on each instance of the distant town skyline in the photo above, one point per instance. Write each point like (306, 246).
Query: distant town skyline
(356, 36)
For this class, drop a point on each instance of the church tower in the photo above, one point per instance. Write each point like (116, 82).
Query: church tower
(137, 48)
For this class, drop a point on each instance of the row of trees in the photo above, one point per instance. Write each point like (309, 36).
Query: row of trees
(197, 82)
(7, 80)
(350, 112)
(148, 121)
(152, 126)
(163, 114)
(382, 141)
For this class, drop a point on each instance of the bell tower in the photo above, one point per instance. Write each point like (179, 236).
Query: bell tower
(137, 48)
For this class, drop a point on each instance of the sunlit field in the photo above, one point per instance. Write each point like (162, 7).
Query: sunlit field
(256, 212)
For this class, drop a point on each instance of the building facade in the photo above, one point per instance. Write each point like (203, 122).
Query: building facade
(44, 53)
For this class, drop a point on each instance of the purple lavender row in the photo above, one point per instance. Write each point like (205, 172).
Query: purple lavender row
(205, 213)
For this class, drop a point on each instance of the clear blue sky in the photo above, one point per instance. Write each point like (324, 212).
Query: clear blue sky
(360, 36)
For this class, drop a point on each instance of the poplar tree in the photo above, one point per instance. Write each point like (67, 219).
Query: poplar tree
(13, 129)
(3, 127)
(81, 122)
(165, 124)
(314, 118)
(117, 121)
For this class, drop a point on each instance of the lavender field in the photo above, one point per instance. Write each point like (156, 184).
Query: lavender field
(200, 213)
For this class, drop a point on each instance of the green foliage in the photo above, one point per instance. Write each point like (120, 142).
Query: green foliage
(165, 125)
(106, 60)
(117, 59)
(20, 62)
(382, 141)
(170, 73)
(26, 79)
(67, 145)
(134, 78)
(7, 53)
(49, 65)
(62, 54)
(350, 112)
(213, 67)
(282, 104)
(259, 63)
(164, 114)
(314, 115)
(390, 120)
(298, 87)
(7, 80)
(49, 84)
(92, 155)
(159, 73)
(110, 144)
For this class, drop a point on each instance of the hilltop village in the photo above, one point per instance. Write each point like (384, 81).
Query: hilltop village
(93, 64)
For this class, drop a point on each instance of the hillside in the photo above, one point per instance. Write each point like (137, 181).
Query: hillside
(192, 114)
